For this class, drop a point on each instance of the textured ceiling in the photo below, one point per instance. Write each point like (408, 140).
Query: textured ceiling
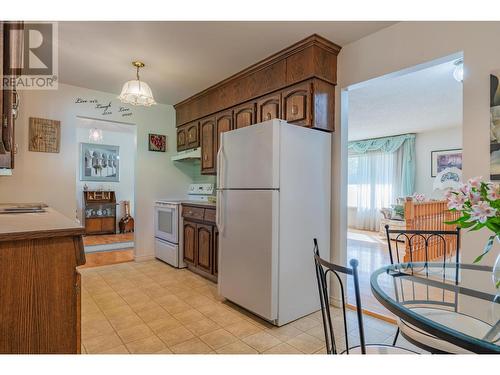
(182, 58)
(428, 99)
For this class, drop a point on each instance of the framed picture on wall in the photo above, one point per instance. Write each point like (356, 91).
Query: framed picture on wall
(157, 142)
(442, 159)
(99, 162)
(495, 125)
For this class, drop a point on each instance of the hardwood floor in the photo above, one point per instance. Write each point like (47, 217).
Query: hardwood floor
(106, 239)
(372, 253)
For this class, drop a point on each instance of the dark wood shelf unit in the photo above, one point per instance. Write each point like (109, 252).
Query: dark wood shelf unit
(99, 212)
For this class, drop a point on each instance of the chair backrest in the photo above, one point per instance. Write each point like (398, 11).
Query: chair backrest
(324, 267)
(425, 242)
(428, 243)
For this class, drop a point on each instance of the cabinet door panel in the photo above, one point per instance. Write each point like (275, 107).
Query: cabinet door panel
(269, 108)
(224, 124)
(207, 129)
(205, 246)
(193, 139)
(297, 104)
(181, 138)
(189, 241)
(244, 115)
(108, 224)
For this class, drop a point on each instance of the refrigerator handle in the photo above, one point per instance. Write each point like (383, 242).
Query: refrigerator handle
(219, 218)
(218, 168)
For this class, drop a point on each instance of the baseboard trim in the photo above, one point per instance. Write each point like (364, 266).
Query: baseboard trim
(144, 258)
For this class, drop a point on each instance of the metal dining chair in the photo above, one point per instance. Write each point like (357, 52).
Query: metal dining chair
(323, 268)
(433, 306)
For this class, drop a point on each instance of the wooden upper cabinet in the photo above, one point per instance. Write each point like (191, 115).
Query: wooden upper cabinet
(297, 104)
(181, 138)
(189, 238)
(207, 130)
(205, 245)
(192, 134)
(224, 124)
(312, 57)
(244, 115)
(269, 107)
(188, 136)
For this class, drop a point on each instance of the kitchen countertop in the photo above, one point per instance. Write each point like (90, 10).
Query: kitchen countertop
(18, 226)
(199, 204)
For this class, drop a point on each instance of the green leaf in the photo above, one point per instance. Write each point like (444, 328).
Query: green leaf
(467, 224)
(486, 249)
(478, 226)
(497, 285)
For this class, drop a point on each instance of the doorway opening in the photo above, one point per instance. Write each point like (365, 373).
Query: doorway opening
(105, 189)
(403, 130)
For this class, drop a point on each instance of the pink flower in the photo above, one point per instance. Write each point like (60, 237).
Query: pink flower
(419, 197)
(474, 197)
(456, 201)
(481, 212)
(475, 182)
(465, 189)
(493, 192)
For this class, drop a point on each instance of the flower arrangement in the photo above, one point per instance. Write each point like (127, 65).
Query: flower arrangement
(479, 204)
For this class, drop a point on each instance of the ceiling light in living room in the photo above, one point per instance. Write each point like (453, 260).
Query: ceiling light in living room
(458, 72)
(137, 92)
(95, 135)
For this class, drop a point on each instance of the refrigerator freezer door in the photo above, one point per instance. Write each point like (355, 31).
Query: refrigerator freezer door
(248, 249)
(249, 157)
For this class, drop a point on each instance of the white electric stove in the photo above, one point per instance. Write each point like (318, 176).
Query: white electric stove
(168, 224)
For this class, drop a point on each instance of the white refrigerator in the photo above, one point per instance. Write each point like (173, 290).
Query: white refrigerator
(273, 198)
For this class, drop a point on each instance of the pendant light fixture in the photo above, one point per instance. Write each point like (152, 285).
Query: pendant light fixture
(95, 135)
(137, 92)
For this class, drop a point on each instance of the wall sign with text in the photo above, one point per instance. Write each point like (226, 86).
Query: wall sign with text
(105, 108)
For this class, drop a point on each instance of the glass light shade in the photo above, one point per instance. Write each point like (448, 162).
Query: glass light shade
(95, 135)
(136, 92)
(458, 72)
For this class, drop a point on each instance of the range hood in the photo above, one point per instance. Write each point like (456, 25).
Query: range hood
(194, 154)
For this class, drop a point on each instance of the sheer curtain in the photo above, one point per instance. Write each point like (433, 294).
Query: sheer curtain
(374, 179)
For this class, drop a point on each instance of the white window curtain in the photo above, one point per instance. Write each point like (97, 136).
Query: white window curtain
(374, 182)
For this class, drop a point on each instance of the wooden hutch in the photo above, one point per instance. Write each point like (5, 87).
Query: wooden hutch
(99, 212)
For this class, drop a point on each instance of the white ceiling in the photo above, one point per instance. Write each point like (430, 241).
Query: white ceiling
(182, 58)
(425, 100)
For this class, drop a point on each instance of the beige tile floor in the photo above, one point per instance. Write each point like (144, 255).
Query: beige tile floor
(150, 307)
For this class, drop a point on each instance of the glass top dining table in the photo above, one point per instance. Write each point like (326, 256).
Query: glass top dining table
(464, 296)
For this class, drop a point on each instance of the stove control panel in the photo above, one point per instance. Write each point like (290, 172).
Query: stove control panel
(201, 189)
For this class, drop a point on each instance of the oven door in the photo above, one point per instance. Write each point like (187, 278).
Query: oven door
(167, 222)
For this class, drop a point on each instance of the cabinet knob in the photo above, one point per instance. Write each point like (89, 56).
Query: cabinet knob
(295, 109)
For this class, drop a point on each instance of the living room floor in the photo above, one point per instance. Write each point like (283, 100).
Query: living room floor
(150, 307)
(372, 253)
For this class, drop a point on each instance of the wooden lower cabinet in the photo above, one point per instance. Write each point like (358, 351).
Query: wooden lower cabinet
(40, 292)
(189, 241)
(200, 243)
(205, 245)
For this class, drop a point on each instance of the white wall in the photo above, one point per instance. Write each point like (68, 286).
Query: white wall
(124, 189)
(404, 45)
(425, 143)
(51, 178)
